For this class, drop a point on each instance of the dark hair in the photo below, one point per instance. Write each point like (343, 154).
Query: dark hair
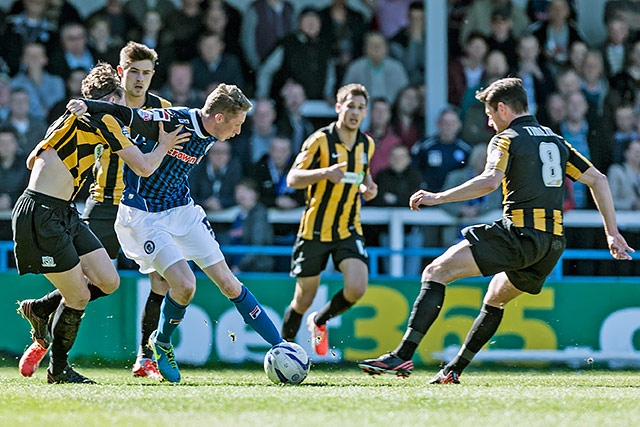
(353, 89)
(416, 5)
(101, 82)
(476, 35)
(249, 183)
(134, 52)
(509, 91)
(9, 129)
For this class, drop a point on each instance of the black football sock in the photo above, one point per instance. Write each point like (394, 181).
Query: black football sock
(150, 317)
(333, 308)
(43, 307)
(290, 324)
(425, 311)
(485, 325)
(64, 329)
(96, 292)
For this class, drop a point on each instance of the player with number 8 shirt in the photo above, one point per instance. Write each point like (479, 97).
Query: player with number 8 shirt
(521, 249)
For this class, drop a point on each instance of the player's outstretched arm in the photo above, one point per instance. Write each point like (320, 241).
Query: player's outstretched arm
(599, 186)
(144, 164)
(478, 186)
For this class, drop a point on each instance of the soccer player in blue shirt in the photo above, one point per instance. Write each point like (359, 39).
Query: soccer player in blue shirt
(160, 227)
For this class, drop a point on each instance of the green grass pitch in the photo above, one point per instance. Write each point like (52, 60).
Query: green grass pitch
(332, 395)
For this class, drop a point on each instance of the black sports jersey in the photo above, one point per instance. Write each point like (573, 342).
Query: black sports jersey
(333, 210)
(79, 141)
(108, 184)
(535, 161)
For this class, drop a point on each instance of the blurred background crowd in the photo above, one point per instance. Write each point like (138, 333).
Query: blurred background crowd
(283, 53)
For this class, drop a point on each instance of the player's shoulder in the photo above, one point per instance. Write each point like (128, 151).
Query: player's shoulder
(320, 135)
(156, 101)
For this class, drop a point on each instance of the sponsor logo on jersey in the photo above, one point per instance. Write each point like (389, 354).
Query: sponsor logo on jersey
(161, 116)
(182, 156)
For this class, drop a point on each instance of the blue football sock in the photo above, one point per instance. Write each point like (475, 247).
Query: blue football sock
(171, 314)
(255, 316)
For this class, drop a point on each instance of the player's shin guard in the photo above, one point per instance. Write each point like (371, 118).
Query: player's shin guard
(171, 314)
(485, 325)
(255, 316)
(425, 311)
(64, 329)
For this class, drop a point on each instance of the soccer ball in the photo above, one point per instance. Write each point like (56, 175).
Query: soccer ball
(286, 363)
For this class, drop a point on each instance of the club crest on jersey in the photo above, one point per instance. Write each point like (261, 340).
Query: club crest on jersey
(364, 159)
(149, 247)
(145, 115)
(161, 116)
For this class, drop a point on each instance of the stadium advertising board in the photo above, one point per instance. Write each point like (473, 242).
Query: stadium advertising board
(576, 321)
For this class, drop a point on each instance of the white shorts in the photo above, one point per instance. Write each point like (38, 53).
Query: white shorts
(157, 240)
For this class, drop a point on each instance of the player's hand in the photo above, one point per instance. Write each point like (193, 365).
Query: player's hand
(334, 173)
(173, 139)
(77, 107)
(369, 192)
(618, 247)
(422, 197)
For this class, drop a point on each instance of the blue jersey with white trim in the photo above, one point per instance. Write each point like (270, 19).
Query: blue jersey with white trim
(168, 186)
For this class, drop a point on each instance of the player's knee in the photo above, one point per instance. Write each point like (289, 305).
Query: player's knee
(183, 291)
(355, 292)
(433, 272)
(158, 284)
(109, 283)
(78, 298)
(302, 302)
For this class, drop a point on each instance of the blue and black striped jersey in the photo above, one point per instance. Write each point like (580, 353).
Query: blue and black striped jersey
(168, 186)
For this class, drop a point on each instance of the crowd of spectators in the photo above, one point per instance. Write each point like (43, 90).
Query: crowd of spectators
(282, 54)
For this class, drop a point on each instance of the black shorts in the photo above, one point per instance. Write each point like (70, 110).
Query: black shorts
(310, 256)
(48, 234)
(100, 217)
(526, 255)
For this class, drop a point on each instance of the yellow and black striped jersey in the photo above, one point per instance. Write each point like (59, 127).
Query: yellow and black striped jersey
(333, 210)
(79, 141)
(107, 185)
(535, 162)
